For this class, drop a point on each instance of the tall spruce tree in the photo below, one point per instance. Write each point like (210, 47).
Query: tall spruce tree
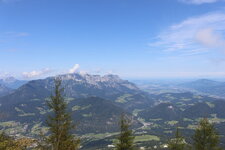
(125, 139)
(206, 137)
(178, 142)
(60, 123)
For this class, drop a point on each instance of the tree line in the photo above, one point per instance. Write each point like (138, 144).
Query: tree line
(61, 135)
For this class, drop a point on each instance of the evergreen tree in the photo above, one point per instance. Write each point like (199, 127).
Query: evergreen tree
(5, 141)
(177, 143)
(206, 137)
(60, 123)
(9, 143)
(125, 139)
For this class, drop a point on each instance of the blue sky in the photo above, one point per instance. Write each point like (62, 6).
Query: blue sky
(131, 38)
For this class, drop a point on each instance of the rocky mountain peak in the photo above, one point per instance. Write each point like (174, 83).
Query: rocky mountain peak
(93, 79)
(9, 79)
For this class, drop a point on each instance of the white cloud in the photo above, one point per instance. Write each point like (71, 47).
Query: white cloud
(194, 35)
(74, 69)
(198, 2)
(209, 38)
(36, 73)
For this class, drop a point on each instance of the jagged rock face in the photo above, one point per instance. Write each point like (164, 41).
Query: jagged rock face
(97, 81)
(95, 85)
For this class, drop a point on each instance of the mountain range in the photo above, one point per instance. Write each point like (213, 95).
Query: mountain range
(109, 87)
(12, 82)
(212, 87)
(96, 103)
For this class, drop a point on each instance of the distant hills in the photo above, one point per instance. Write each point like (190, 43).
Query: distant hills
(97, 115)
(9, 84)
(163, 111)
(4, 90)
(92, 115)
(207, 86)
(12, 82)
(77, 85)
(176, 106)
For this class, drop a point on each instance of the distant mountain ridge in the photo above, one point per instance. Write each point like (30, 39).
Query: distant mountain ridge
(97, 101)
(4, 90)
(171, 110)
(75, 85)
(207, 86)
(12, 82)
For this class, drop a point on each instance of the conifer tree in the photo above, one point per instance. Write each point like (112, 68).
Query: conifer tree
(60, 123)
(6, 142)
(206, 137)
(125, 139)
(9, 143)
(178, 142)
